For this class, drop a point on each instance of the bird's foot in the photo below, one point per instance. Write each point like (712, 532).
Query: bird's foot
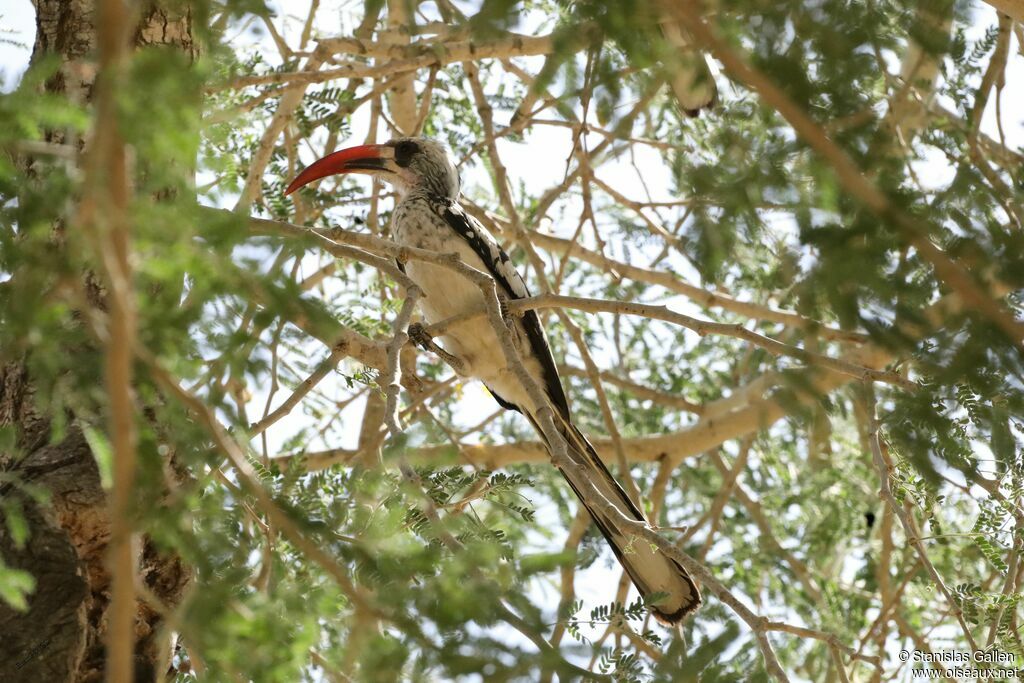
(419, 336)
(506, 315)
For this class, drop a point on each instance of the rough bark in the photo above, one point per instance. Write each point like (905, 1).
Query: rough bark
(61, 635)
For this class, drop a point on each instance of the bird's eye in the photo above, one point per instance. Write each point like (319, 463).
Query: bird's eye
(404, 152)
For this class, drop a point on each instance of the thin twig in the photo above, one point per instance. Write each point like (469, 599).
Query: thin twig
(251, 484)
(339, 351)
(392, 370)
(885, 470)
(701, 327)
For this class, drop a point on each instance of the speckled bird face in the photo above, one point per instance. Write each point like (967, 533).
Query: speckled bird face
(424, 164)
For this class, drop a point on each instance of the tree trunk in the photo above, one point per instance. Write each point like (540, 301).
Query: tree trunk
(61, 635)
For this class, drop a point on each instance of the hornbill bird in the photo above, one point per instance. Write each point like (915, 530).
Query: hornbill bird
(428, 216)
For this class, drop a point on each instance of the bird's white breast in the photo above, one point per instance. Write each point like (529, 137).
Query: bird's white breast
(446, 294)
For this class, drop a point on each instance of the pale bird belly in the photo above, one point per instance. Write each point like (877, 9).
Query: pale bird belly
(474, 342)
(445, 294)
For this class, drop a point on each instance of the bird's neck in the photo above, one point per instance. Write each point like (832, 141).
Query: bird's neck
(430, 192)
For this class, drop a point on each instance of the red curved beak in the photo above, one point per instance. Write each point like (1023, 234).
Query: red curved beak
(365, 158)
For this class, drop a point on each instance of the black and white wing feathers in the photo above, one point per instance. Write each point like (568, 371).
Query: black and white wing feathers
(504, 272)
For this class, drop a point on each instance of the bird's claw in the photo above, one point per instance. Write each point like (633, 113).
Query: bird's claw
(506, 316)
(419, 336)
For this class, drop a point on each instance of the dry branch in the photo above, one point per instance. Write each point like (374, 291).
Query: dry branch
(105, 213)
(675, 447)
(1012, 8)
(671, 282)
(701, 327)
(414, 57)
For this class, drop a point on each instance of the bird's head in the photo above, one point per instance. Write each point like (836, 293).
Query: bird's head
(409, 164)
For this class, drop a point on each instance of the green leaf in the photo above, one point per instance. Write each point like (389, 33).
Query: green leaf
(15, 587)
(17, 525)
(102, 453)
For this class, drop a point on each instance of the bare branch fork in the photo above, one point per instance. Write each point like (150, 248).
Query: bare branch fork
(338, 351)
(671, 282)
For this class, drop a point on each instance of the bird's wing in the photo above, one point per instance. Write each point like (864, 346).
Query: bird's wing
(653, 572)
(501, 268)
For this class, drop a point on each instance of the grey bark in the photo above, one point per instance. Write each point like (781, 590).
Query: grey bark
(61, 635)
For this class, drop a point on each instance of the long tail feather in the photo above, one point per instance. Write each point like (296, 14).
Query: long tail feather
(650, 570)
